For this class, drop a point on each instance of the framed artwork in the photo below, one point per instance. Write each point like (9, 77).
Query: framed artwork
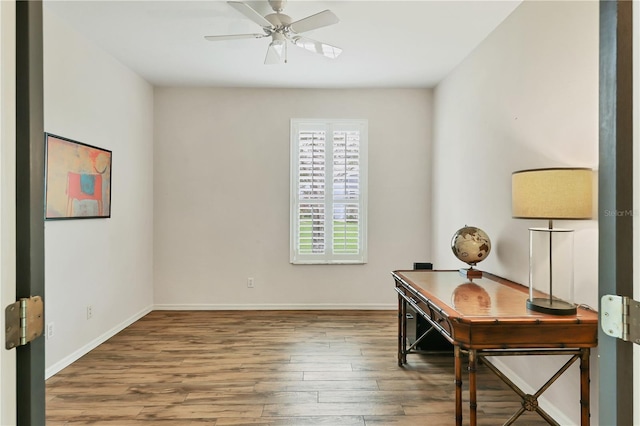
(77, 180)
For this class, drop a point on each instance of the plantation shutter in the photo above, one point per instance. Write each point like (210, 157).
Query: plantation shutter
(311, 185)
(346, 191)
(328, 209)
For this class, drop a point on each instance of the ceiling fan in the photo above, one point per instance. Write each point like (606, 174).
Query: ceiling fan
(281, 27)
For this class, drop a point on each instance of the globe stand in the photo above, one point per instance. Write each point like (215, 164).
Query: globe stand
(470, 273)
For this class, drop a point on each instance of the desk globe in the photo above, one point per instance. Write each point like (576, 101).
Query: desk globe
(471, 245)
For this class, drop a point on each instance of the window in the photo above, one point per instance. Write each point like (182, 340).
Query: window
(328, 191)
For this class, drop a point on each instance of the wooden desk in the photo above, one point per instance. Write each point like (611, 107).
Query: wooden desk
(488, 317)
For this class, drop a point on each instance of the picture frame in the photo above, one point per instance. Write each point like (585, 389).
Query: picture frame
(77, 179)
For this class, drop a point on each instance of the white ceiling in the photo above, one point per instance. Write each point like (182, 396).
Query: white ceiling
(386, 43)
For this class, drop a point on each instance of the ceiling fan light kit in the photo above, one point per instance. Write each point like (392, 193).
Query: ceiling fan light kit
(281, 27)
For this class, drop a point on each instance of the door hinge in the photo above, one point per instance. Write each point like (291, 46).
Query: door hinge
(620, 317)
(24, 321)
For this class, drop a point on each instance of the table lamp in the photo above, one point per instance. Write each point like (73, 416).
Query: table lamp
(551, 194)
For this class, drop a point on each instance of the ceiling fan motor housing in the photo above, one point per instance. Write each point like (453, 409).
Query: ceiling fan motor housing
(280, 21)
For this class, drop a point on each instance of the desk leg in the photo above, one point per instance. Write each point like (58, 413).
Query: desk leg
(584, 387)
(458, 382)
(399, 331)
(472, 387)
(402, 331)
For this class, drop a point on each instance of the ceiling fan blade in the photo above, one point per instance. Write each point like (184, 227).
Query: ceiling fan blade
(319, 20)
(233, 36)
(274, 52)
(314, 46)
(250, 13)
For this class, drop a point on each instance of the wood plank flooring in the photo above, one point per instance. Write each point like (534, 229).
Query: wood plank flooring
(295, 368)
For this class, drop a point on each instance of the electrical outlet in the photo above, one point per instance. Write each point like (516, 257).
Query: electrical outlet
(49, 330)
(250, 282)
(89, 312)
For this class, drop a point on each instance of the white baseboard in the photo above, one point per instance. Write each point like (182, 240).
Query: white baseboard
(68, 360)
(546, 405)
(275, 307)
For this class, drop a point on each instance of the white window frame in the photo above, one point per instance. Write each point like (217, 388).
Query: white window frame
(329, 126)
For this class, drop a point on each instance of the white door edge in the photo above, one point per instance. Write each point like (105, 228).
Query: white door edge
(7, 202)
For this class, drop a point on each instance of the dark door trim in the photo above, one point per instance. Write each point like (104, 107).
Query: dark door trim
(615, 216)
(30, 390)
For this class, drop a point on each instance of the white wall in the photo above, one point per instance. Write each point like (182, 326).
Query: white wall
(527, 97)
(105, 263)
(221, 198)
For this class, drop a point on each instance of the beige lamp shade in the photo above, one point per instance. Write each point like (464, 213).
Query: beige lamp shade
(557, 193)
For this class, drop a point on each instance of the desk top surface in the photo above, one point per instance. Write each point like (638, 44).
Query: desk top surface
(487, 298)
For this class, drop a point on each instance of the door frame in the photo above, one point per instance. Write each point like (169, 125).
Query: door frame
(636, 216)
(615, 192)
(29, 222)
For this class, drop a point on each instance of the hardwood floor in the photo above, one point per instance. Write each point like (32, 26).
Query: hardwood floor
(292, 368)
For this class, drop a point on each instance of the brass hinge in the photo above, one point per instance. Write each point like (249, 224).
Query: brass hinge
(24, 321)
(620, 317)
